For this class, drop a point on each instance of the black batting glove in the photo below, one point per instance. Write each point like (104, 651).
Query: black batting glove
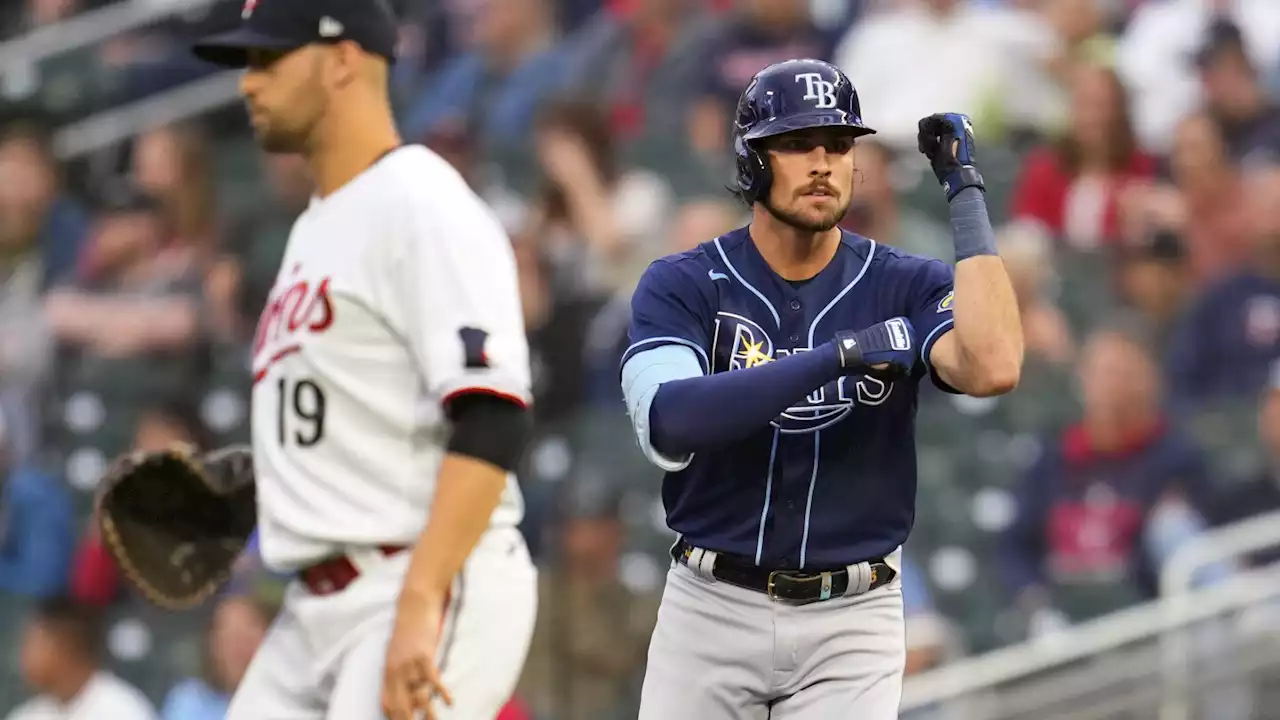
(885, 350)
(947, 140)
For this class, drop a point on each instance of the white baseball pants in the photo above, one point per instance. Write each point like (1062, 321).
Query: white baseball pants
(323, 657)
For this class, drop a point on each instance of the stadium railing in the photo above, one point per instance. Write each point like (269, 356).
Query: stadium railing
(91, 27)
(1115, 664)
(1177, 577)
(109, 127)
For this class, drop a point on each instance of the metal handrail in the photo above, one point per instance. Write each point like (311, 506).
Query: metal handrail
(112, 126)
(1177, 575)
(89, 28)
(1148, 620)
(1212, 546)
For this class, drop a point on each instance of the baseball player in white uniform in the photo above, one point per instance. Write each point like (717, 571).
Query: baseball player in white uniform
(391, 381)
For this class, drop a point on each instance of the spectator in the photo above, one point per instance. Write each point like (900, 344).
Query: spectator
(128, 326)
(62, 661)
(639, 64)
(236, 630)
(35, 212)
(1075, 545)
(1074, 186)
(592, 631)
(930, 636)
(173, 164)
(756, 34)
(1028, 257)
(996, 59)
(1208, 203)
(1154, 280)
(597, 222)
(1160, 38)
(695, 222)
(1235, 97)
(102, 312)
(556, 323)
(1080, 27)
(876, 212)
(34, 223)
(496, 86)
(1228, 339)
(36, 527)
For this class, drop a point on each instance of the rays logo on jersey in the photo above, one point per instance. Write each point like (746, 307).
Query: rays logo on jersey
(739, 343)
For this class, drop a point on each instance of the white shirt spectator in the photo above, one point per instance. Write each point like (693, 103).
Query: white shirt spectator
(1154, 58)
(910, 63)
(104, 696)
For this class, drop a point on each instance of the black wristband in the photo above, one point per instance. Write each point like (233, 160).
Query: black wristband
(849, 349)
(489, 428)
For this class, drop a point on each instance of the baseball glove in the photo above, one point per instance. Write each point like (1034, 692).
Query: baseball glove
(175, 522)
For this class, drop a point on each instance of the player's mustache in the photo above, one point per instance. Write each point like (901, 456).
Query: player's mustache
(820, 186)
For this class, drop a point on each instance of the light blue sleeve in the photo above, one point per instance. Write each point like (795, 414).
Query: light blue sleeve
(641, 376)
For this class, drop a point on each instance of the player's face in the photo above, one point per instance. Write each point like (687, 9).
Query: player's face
(285, 96)
(812, 178)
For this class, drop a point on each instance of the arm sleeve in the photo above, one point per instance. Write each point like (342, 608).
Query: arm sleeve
(455, 295)
(930, 312)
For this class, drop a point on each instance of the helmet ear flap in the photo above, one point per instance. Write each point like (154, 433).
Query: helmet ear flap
(753, 171)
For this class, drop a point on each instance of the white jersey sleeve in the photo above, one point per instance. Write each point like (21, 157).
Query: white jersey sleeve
(455, 292)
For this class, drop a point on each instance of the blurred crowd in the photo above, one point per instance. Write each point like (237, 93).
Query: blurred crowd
(1132, 153)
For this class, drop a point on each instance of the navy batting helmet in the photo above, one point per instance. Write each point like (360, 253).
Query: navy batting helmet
(787, 96)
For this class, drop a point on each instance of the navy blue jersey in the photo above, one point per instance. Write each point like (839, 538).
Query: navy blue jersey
(832, 480)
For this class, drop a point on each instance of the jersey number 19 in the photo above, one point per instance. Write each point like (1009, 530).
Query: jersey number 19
(302, 410)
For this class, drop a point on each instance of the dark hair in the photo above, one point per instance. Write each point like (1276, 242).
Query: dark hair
(1122, 144)
(78, 623)
(588, 122)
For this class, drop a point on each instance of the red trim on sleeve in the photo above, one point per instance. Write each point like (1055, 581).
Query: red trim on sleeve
(513, 399)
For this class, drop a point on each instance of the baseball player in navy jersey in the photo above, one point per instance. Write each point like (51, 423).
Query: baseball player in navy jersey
(773, 374)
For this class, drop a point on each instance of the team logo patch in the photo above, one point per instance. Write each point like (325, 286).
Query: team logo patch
(945, 305)
(899, 339)
(473, 352)
(740, 343)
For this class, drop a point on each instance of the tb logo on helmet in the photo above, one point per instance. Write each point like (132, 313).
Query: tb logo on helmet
(822, 92)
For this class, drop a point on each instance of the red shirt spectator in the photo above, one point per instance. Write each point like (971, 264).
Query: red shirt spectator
(1073, 188)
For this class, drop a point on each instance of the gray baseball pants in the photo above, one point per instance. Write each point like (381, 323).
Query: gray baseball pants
(721, 652)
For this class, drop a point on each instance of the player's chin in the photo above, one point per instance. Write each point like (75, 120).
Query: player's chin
(275, 141)
(818, 219)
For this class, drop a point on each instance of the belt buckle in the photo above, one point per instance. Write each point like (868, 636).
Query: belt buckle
(823, 577)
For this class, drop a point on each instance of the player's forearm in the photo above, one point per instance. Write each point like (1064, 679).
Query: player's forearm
(988, 329)
(708, 411)
(467, 492)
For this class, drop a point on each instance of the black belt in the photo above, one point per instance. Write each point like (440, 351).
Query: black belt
(795, 586)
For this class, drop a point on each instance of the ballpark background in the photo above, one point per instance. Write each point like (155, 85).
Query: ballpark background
(1098, 544)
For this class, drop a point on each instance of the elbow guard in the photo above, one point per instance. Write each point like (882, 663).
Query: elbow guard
(489, 428)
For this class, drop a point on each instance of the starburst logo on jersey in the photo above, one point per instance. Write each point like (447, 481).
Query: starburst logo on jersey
(740, 343)
(945, 305)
